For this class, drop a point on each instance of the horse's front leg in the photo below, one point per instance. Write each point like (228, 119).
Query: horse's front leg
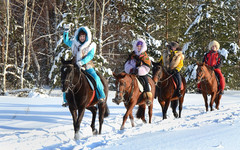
(94, 114)
(174, 105)
(167, 102)
(162, 103)
(78, 122)
(129, 110)
(213, 96)
(205, 100)
(131, 119)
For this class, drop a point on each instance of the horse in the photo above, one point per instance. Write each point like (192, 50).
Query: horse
(209, 85)
(80, 96)
(128, 91)
(165, 88)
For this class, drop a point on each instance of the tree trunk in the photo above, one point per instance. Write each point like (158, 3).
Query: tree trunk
(94, 19)
(6, 50)
(166, 21)
(49, 39)
(24, 41)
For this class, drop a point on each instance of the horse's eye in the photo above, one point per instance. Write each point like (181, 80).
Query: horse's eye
(65, 69)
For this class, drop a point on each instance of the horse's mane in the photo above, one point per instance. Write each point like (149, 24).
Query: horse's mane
(209, 68)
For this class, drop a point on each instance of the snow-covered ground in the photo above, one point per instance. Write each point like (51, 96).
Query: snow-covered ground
(40, 122)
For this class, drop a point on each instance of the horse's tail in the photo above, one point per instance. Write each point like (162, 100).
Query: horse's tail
(107, 112)
(141, 111)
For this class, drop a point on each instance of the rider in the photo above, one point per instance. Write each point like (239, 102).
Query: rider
(84, 49)
(174, 60)
(139, 63)
(214, 59)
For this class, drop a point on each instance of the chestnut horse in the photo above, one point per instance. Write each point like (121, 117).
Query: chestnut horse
(165, 89)
(129, 92)
(209, 85)
(80, 96)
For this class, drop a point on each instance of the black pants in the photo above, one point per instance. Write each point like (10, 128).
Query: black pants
(145, 86)
(178, 80)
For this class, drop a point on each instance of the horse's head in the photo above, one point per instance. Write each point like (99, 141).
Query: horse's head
(201, 71)
(157, 71)
(68, 74)
(122, 84)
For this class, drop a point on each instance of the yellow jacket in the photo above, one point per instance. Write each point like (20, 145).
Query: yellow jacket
(176, 60)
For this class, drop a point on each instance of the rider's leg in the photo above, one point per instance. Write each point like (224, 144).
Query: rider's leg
(221, 80)
(100, 92)
(178, 81)
(65, 103)
(148, 93)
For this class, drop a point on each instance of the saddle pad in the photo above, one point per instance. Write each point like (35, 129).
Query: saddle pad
(140, 86)
(90, 83)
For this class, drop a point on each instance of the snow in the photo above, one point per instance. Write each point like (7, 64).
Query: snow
(224, 52)
(39, 122)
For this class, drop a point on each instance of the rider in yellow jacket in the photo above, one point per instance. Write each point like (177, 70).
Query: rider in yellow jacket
(174, 63)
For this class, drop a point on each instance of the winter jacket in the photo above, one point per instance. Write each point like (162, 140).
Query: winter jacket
(138, 60)
(84, 52)
(213, 59)
(172, 61)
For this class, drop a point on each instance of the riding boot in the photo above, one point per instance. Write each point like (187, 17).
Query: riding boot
(178, 93)
(148, 97)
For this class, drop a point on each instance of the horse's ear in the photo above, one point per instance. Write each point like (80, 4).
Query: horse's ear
(198, 63)
(204, 64)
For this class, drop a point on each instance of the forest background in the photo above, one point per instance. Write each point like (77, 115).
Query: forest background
(31, 36)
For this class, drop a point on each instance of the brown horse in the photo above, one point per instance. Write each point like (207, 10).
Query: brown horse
(128, 92)
(165, 90)
(209, 85)
(79, 95)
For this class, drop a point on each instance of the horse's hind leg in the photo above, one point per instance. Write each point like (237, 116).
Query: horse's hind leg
(180, 106)
(94, 114)
(217, 101)
(174, 105)
(212, 100)
(141, 112)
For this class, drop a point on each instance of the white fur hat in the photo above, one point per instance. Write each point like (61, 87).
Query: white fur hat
(213, 43)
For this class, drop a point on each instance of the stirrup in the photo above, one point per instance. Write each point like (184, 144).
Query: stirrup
(221, 92)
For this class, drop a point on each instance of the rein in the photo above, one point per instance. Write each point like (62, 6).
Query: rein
(72, 86)
(131, 86)
(161, 81)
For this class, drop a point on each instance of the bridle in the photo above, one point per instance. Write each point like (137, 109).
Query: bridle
(123, 92)
(70, 77)
(200, 76)
(166, 79)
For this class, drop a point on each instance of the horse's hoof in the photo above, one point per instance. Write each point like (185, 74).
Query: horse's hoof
(144, 121)
(76, 136)
(122, 127)
(175, 115)
(116, 101)
(95, 132)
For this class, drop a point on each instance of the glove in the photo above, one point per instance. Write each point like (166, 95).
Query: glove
(133, 71)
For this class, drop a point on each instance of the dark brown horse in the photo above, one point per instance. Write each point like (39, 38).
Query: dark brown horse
(209, 85)
(128, 92)
(165, 90)
(79, 95)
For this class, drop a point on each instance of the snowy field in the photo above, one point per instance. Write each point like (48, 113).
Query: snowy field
(39, 122)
